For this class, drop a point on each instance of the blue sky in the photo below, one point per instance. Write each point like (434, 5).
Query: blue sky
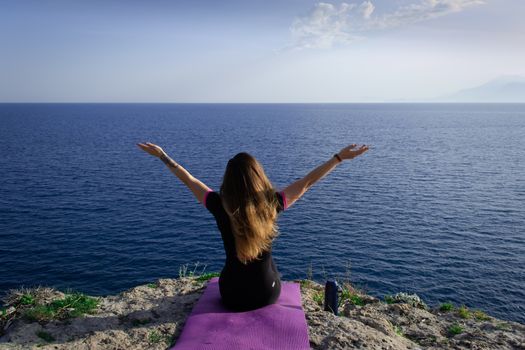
(255, 51)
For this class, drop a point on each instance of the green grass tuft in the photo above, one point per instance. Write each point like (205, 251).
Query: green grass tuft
(152, 285)
(46, 336)
(455, 329)
(319, 298)
(27, 299)
(347, 294)
(39, 313)
(464, 312)
(389, 299)
(310, 272)
(184, 270)
(480, 315)
(448, 306)
(154, 337)
(399, 331)
(305, 283)
(73, 305)
(207, 276)
(503, 326)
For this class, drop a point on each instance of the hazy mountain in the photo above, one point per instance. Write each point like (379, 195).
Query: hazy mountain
(503, 89)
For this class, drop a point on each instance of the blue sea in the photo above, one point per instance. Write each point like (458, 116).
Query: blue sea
(435, 207)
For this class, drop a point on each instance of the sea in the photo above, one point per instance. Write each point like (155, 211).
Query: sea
(436, 206)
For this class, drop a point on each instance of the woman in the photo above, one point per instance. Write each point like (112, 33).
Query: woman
(246, 209)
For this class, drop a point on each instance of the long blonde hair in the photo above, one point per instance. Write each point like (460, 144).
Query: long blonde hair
(248, 197)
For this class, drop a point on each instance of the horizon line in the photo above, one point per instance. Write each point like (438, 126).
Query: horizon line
(376, 102)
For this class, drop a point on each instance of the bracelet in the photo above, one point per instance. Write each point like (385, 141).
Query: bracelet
(338, 157)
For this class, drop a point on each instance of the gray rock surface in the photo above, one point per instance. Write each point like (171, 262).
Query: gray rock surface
(152, 317)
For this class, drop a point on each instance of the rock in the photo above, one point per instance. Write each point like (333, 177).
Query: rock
(152, 317)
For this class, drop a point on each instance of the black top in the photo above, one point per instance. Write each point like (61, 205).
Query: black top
(247, 286)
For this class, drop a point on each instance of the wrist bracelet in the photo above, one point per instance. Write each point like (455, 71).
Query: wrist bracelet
(338, 157)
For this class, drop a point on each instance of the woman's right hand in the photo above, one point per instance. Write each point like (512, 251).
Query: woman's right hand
(351, 151)
(152, 149)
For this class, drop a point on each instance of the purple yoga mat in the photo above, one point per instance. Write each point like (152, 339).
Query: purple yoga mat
(277, 326)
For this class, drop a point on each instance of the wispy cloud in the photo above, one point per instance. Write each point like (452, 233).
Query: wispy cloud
(366, 9)
(329, 25)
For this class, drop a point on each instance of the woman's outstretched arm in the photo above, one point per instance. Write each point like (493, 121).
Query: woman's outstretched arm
(197, 187)
(299, 187)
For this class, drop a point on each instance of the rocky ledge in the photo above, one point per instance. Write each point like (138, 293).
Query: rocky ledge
(152, 316)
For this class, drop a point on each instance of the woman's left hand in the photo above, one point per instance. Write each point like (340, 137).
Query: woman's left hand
(151, 148)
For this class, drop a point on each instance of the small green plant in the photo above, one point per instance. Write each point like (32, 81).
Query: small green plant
(464, 312)
(310, 272)
(152, 285)
(184, 272)
(27, 299)
(480, 315)
(73, 305)
(139, 322)
(455, 329)
(154, 337)
(324, 273)
(319, 298)
(398, 331)
(46, 336)
(389, 299)
(305, 283)
(503, 326)
(207, 276)
(357, 300)
(39, 313)
(347, 294)
(448, 306)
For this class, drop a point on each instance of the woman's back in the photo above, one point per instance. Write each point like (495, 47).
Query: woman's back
(244, 286)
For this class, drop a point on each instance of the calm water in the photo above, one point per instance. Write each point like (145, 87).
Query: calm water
(436, 206)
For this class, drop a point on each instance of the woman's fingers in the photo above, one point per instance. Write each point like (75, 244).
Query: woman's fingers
(353, 147)
(145, 148)
(363, 149)
(151, 148)
(146, 145)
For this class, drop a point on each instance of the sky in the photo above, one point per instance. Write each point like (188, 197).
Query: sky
(261, 51)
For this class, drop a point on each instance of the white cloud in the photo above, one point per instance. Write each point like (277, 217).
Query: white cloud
(422, 11)
(325, 26)
(328, 25)
(366, 9)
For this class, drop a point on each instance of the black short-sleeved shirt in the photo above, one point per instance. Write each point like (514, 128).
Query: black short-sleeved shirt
(249, 286)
